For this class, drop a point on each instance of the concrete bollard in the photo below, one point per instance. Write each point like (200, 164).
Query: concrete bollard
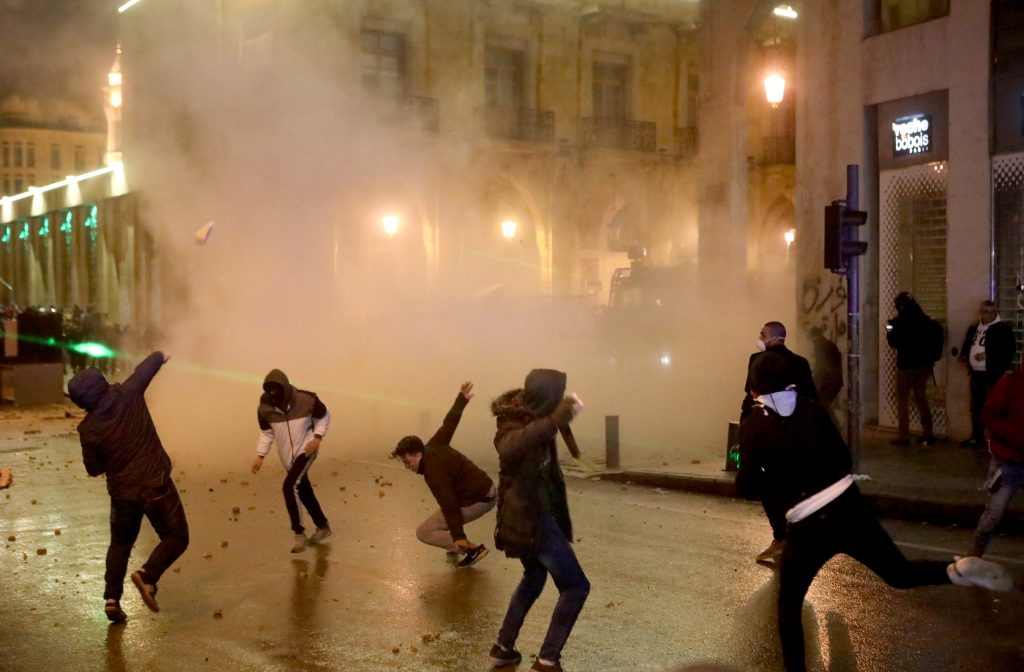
(611, 442)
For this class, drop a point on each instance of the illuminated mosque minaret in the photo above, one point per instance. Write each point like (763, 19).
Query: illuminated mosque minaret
(112, 107)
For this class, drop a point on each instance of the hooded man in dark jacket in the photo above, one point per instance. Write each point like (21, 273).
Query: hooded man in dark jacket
(911, 333)
(790, 450)
(533, 512)
(119, 439)
(462, 490)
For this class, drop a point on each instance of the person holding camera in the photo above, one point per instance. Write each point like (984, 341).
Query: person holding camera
(914, 336)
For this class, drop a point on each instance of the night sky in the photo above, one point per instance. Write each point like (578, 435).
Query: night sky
(57, 49)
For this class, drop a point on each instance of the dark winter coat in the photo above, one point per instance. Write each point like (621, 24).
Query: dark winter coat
(1000, 347)
(797, 369)
(452, 477)
(530, 482)
(1003, 417)
(785, 460)
(118, 436)
(910, 336)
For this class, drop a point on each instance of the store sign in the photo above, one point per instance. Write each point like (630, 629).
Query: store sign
(912, 135)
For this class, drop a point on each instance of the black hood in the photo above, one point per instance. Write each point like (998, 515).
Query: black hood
(276, 378)
(542, 391)
(88, 389)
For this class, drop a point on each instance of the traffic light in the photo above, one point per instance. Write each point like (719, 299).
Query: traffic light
(841, 238)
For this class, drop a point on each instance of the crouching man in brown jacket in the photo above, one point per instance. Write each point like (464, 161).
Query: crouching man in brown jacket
(462, 490)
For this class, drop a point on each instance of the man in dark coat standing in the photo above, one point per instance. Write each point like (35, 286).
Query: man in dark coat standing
(798, 373)
(988, 350)
(533, 513)
(463, 490)
(910, 333)
(119, 439)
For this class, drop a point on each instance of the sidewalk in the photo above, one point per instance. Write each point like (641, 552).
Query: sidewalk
(937, 484)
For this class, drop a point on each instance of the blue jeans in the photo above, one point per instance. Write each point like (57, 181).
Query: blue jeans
(555, 557)
(1010, 481)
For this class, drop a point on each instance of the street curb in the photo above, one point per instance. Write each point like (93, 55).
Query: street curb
(887, 506)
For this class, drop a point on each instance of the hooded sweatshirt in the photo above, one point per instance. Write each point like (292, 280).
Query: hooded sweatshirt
(117, 434)
(292, 427)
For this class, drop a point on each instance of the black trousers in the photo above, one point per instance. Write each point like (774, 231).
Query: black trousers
(843, 526)
(982, 383)
(166, 514)
(297, 488)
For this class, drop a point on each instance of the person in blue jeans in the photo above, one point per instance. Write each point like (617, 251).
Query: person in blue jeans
(1003, 418)
(533, 521)
(119, 440)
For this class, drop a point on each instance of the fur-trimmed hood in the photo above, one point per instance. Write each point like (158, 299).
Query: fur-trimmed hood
(510, 406)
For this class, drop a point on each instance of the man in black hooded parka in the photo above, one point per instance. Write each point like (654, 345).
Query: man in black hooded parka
(119, 439)
(533, 522)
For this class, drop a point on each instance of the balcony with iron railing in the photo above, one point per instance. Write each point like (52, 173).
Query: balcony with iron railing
(520, 123)
(640, 136)
(778, 149)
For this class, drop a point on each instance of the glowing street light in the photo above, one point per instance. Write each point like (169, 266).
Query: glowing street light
(390, 224)
(785, 12)
(790, 236)
(508, 229)
(774, 88)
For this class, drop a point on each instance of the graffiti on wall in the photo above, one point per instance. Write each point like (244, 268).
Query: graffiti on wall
(823, 305)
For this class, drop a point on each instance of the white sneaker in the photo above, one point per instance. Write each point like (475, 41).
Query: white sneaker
(971, 571)
(300, 543)
(320, 534)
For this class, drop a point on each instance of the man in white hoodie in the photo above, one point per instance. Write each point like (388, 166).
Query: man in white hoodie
(295, 421)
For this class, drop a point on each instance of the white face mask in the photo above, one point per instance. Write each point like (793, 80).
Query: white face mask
(759, 344)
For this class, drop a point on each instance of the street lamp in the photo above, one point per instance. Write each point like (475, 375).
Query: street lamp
(774, 88)
(790, 236)
(508, 229)
(390, 224)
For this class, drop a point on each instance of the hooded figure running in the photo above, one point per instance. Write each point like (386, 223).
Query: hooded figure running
(790, 450)
(533, 512)
(295, 420)
(119, 439)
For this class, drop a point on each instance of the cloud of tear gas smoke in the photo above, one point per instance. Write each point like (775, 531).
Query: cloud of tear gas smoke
(296, 166)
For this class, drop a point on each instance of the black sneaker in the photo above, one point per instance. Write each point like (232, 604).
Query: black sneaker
(473, 556)
(114, 612)
(146, 590)
(504, 658)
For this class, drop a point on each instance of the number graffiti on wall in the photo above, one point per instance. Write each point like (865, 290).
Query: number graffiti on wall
(823, 305)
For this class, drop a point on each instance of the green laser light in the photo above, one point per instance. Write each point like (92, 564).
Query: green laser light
(92, 349)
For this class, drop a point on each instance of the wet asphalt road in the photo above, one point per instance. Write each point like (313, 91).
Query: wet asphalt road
(672, 574)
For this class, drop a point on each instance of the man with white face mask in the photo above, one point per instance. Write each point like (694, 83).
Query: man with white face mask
(798, 373)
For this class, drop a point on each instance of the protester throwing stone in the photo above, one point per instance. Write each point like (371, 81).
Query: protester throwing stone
(462, 490)
(295, 421)
(120, 440)
(533, 522)
(791, 449)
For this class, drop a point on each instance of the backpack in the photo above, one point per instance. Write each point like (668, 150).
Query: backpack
(936, 340)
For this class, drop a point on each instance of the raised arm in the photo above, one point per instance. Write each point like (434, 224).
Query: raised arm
(144, 373)
(451, 421)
